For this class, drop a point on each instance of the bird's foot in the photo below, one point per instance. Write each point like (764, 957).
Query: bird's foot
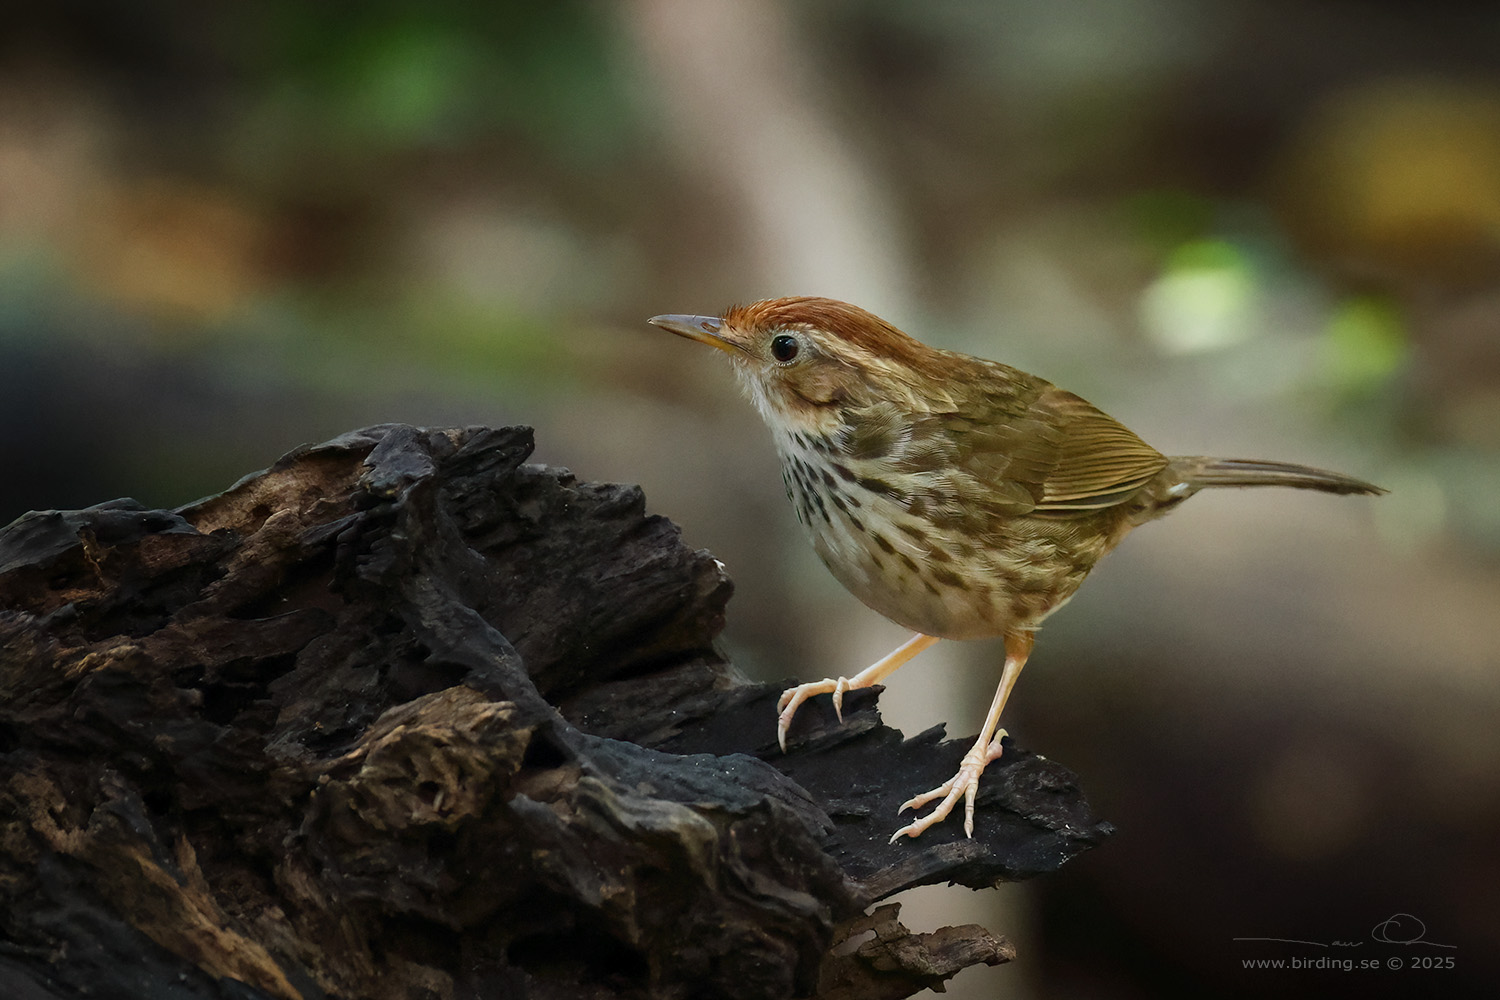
(964, 784)
(791, 698)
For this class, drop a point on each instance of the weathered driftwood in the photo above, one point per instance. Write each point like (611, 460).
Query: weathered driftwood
(403, 716)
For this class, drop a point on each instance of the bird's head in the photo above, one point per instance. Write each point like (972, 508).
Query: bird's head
(805, 361)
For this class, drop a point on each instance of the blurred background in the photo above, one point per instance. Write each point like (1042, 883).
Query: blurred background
(1254, 227)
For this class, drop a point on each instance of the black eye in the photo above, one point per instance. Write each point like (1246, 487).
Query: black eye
(784, 347)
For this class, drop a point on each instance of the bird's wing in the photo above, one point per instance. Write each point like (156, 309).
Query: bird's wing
(1053, 452)
(1086, 459)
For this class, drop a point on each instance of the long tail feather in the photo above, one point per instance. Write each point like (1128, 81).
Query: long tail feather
(1201, 471)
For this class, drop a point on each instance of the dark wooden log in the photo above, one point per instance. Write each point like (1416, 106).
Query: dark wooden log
(403, 716)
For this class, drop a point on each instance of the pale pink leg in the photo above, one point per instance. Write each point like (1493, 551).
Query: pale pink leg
(987, 748)
(791, 698)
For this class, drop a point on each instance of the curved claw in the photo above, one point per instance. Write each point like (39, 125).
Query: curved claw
(838, 698)
(792, 698)
(964, 784)
(949, 791)
(786, 708)
(786, 705)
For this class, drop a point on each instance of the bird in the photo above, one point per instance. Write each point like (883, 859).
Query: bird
(956, 496)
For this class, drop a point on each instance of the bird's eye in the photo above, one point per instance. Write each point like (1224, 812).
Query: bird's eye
(784, 347)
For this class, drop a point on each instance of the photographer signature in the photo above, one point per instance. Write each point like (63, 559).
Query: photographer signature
(1398, 928)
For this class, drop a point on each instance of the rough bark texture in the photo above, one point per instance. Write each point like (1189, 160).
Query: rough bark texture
(403, 716)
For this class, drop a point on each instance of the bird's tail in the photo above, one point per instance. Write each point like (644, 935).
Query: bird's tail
(1198, 472)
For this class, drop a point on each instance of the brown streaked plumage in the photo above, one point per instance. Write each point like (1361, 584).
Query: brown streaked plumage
(959, 497)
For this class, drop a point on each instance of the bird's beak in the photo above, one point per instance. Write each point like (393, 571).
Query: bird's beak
(704, 329)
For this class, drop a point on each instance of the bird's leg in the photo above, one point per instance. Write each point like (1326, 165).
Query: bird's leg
(987, 748)
(792, 697)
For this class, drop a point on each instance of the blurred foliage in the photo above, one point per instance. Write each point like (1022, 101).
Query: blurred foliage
(1168, 218)
(1204, 298)
(1366, 345)
(365, 79)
